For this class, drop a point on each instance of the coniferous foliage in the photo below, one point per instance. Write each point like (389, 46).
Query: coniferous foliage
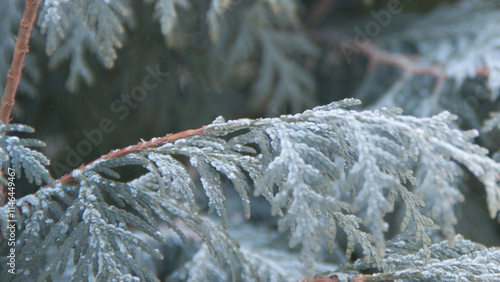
(448, 51)
(333, 189)
(461, 261)
(17, 155)
(313, 158)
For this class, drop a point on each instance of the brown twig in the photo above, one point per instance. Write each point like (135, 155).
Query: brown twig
(139, 147)
(407, 63)
(20, 51)
(15, 72)
(403, 62)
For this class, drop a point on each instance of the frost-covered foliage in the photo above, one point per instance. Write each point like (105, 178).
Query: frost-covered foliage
(321, 170)
(461, 39)
(458, 260)
(15, 154)
(461, 260)
(326, 180)
(440, 57)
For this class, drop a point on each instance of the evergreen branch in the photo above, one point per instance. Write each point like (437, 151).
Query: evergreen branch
(306, 167)
(20, 51)
(139, 147)
(15, 72)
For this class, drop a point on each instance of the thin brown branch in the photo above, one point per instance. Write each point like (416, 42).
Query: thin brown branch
(401, 61)
(20, 51)
(139, 147)
(376, 56)
(15, 72)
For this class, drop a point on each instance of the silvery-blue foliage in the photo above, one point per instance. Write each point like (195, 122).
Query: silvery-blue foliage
(16, 154)
(328, 173)
(321, 170)
(458, 260)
